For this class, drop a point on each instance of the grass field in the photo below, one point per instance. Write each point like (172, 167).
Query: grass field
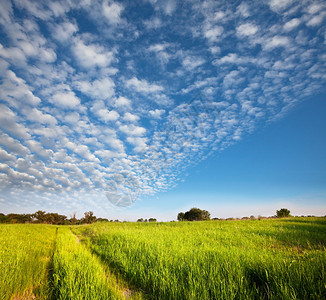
(261, 259)
(25, 256)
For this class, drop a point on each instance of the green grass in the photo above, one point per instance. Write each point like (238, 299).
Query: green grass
(267, 259)
(77, 274)
(25, 252)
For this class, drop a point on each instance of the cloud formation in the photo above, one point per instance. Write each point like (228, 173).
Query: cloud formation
(101, 100)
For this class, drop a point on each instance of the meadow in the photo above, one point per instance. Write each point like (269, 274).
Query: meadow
(249, 259)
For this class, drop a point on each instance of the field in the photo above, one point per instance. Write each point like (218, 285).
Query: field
(250, 259)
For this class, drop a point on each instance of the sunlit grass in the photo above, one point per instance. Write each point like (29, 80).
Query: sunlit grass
(270, 259)
(78, 274)
(25, 252)
(267, 259)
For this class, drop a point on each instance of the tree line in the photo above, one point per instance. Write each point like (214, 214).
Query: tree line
(49, 218)
(194, 214)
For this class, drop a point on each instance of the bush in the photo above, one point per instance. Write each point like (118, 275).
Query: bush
(194, 214)
(283, 213)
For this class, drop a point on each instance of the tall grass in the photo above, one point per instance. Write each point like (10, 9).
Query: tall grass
(77, 274)
(25, 252)
(267, 259)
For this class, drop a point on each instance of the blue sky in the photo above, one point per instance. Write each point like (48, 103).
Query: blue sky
(145, 108)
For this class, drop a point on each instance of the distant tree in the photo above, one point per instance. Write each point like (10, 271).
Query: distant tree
(194, 214)
(73, 219)
(89, 217)
(102, 220)
(4, 218)
(40, 216)
(152, 220)
(140, 220)
(181, 216)
(282, 213)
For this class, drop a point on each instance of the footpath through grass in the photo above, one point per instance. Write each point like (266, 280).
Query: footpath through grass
(78, 274)
(49, 262)
(267, 259)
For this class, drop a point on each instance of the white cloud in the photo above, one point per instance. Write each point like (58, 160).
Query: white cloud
(112, 11)
(64, 31)
(158, 47)
(35, 115)
(84, 152)
(247, 29)
(243, 9)
(5, 156)
(108, 154)
(52, 132)
(138, 143)
(153, 23)
(107, 115)
(37, 148)
(143, 86)
(59, 9)
(132, 129)
(130, 117)
(36, 9)
(14, 54)
(213, 33)
(65, 99)
(5, 11)
(192, 62)
(314, 8)
(114, 142)
(157, 113)
(47, 55)
(290, 25)
(317, 20)
(277, 41)
(15, 91)
(231, 78)
(279, 5)
(233, 58)
(12, 145)
(98, 89)
(169, 7)
(9, 122)
(215, 50)
(72, 118)
(161, 54)
(122, 102)
(92, 55)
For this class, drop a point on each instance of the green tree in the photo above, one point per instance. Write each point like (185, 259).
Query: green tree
(40, 216)
(195, 214)
(89, 217)
(181, 216)
(283, 213)
(73, 219)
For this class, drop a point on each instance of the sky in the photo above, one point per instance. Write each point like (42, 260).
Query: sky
(147, 108)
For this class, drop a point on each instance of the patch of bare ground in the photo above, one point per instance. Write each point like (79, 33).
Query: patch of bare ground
(28, 295)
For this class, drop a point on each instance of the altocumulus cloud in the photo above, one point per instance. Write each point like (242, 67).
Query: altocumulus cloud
(100, 101)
